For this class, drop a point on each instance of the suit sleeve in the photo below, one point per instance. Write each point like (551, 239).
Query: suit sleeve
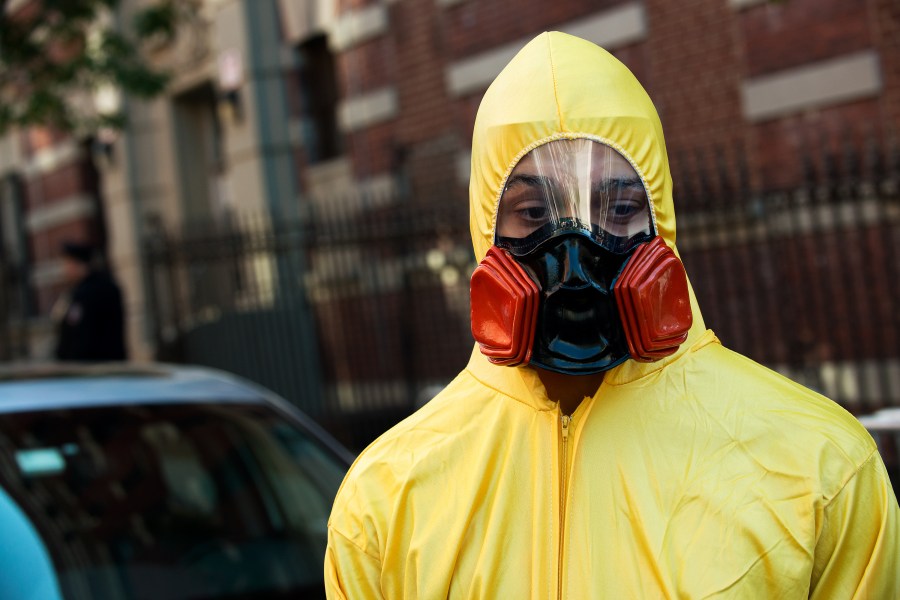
(350, 573)
(858, 550)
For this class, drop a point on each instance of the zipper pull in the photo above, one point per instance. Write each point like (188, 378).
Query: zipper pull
(565, 419)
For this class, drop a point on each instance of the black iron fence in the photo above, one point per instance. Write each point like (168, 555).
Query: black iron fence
(803, 279)
(357, 310)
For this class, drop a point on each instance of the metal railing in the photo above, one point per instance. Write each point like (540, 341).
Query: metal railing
(804, 279)
(356, 312)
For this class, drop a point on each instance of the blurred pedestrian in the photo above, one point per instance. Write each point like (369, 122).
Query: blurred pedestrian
(90, 314)
(601, 442)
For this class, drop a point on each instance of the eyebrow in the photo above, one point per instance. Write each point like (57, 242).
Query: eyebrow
(528, 179)
(619, 182)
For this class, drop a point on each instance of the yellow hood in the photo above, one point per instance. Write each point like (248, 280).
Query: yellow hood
(575, 90)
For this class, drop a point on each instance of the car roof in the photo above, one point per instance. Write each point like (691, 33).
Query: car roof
(51, 386)
(48, 386)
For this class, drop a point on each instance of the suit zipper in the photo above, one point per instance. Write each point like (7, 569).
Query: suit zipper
(565, 421)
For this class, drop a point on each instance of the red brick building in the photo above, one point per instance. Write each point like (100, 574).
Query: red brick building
(768, 80)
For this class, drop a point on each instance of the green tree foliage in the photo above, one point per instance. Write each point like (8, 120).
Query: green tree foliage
(56, 54)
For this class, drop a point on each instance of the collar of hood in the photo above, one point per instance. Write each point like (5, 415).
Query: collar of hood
(562, 87)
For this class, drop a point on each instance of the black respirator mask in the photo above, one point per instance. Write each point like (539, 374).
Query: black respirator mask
(577, 281)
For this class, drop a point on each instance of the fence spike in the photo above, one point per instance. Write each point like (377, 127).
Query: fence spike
(850, 160)
(723, 172)
(873, 165)
(742, 168)
(893, 156)
(703, 186)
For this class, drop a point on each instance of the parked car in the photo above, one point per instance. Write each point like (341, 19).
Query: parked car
(884, 425)
(159, 482)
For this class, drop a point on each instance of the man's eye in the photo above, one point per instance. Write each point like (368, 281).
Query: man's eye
(621, 211)
(624, 209)
(532, 213)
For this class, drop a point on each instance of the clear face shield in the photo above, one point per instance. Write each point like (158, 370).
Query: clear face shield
(573, 186)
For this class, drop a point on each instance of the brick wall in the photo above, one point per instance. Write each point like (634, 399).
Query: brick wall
(780, 145)
(62, 182)
(372, 151)
(790, 34)
(427, 139)
(884, 19)
(51, 184)
(344, 6)
(46, 244)
(693, 62)
(365, 67)
(476, 26)
(694, 69)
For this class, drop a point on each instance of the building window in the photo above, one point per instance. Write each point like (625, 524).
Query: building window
(198, 135)
(319, 98)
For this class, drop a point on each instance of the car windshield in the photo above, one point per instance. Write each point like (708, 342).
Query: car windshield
(173, 501)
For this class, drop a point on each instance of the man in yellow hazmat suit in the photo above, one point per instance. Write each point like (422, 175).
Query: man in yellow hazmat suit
(601, 443)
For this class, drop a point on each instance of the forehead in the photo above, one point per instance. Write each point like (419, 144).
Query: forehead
(560, 157)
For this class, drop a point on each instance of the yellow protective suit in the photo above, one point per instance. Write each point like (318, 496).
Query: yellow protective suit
(704, 475)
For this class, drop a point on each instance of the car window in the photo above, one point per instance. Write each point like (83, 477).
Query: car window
(173, 501)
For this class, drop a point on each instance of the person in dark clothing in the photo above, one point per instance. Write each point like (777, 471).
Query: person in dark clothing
(92, 325)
